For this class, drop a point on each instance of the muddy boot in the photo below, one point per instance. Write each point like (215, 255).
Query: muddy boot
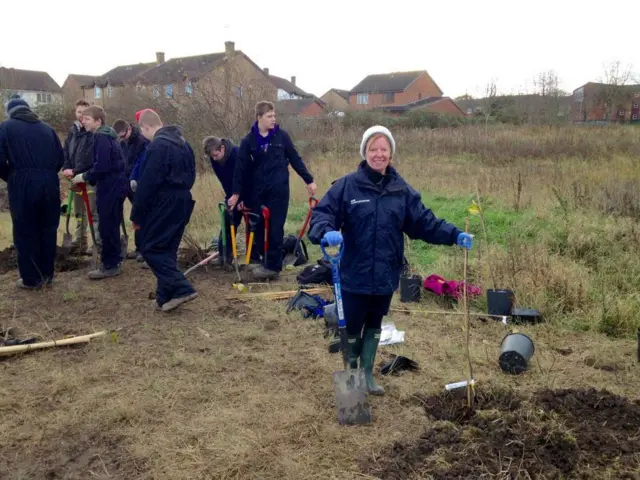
(139, 258)
(105, 273)
(262, 273)
(144, 265)
(370, 341)
(133, 255)
(176, 302)
(355, 347)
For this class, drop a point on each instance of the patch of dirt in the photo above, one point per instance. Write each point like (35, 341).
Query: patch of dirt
(64, 263)
(555, 434)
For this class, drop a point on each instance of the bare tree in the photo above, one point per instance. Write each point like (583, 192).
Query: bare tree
(490, 94)
(612, 94)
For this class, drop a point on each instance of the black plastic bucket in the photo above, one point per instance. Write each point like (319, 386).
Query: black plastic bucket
(410, 288)
(516, 350)
(499, 302)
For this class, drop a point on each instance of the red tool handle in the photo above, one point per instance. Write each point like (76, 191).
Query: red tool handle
(313, 201)
(85, 197)
(245, 214)
(267, 215)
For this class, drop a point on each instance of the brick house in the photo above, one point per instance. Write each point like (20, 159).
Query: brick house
(301, 107)
(336, 100)
(72, 87)
(400, 92)
(36, 88)
(287, 89)
(593, 102)
(225, 79)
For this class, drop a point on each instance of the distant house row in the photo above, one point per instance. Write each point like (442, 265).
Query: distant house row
(231, 78)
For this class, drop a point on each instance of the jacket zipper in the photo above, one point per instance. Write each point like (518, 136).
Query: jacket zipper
(375, 240)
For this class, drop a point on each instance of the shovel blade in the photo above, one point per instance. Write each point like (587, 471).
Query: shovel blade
(352, 404)
(290, 259)
(67, 240)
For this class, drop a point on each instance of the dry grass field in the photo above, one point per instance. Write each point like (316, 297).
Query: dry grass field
(236, 388)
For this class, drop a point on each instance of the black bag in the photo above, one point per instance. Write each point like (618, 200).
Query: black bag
(316, 274)
(289, 247)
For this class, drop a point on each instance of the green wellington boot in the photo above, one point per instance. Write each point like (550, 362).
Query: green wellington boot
(370, 341)
(355, 347)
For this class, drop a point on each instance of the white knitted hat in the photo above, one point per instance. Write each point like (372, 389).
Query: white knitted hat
(376, 129)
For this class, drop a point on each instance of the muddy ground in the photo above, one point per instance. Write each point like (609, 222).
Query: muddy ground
(568, 433)
(64, 263)
(238, 389)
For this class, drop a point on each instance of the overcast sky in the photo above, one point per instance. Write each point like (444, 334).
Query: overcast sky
(325, 44)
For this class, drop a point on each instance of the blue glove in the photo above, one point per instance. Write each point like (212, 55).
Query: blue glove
(465, 240)
(332, 239)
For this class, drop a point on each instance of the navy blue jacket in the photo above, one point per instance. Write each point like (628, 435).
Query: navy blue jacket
(78, 149)
(31, 156)
(373, 219)
(133, 149)
(225, 169)
(269, 169)
(168, 173)
(107, 172)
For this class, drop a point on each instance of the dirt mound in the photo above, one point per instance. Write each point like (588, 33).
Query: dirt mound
(9, 261)
(555, 434)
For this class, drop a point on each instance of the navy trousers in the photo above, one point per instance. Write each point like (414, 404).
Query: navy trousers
(34, 200)
(110, 213)
(160, 237)
(364, 311)
(277, 201)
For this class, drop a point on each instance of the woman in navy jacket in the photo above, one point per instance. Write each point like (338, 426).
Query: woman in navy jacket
(370, 210)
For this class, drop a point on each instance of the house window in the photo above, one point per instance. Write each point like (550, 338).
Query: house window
(168, 91)
(156, 91)
(621, 113)
(97, 92)
(188, 89)
(363, 98)
(43, 98)
(389, 97)
(635, 116)
(637, 94)
(469, 111)
(109, 91)
(239, 92)
(636, 105)
(138, 89)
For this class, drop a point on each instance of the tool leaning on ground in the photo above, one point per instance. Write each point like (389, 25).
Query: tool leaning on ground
(67, 239)
(234, 250)
(222, 208)
(266, 214)
(350, 385)
(94, 253)
(291, 259)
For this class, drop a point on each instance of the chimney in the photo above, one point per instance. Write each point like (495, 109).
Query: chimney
(159, 57)
(293, 79)
(266, 70)
(229, 48)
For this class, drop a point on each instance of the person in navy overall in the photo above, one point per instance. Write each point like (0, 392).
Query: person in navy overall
(265, 154)
(162, 208)
(369, 211)
(31, 156)
(107, 174)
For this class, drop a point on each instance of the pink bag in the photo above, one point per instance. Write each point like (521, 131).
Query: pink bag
(451, 288)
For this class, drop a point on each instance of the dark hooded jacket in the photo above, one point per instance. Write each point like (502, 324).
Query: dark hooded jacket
(166, 177)
(30, 155)
(133, 148)
(107, 172)
(373, 212)
(266, 160)
(78, 149)
(225, 169)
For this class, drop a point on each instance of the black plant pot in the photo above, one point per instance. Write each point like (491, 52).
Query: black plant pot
(410, 288)
(499, 302)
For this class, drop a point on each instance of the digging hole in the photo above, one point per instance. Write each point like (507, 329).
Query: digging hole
(63, 263)
(553, 434)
